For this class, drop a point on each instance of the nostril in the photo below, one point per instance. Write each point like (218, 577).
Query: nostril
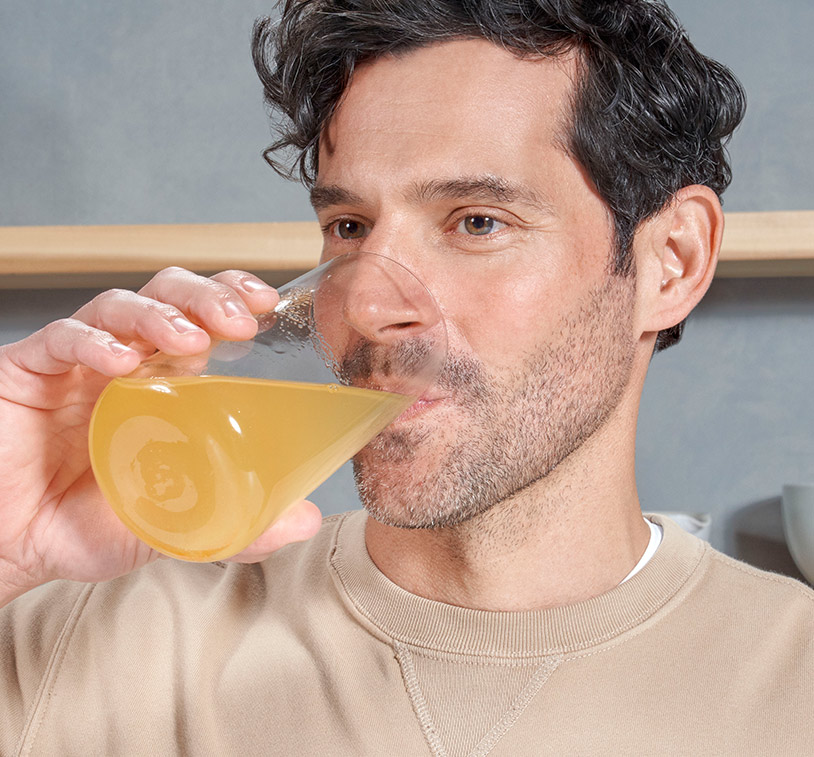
(405, 325)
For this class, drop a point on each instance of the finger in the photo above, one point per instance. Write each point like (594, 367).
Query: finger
(258, 296)
(131, 317)
(216, 306)
(299, 522)
(64, 344)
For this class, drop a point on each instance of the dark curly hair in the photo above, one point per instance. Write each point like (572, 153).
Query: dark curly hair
(650, 113)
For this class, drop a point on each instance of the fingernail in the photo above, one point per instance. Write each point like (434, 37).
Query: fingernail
(255, 286)
(233, 310)
(117, 348)
(182, 325)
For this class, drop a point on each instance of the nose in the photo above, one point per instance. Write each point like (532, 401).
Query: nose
(378, 325)
(380, 299)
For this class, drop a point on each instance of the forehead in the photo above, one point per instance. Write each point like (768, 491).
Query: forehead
(451, 102)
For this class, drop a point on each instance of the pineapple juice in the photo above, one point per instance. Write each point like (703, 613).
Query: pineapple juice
(198, 467)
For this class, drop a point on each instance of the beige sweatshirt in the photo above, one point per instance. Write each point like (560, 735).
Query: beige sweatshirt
(315, 652)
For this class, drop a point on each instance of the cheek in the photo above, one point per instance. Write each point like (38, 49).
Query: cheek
(501, 321)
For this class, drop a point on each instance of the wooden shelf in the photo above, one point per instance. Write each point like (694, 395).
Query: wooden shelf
(777, 243)
(74, 256)
(755, 244)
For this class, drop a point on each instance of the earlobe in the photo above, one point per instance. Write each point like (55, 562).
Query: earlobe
(678, 266)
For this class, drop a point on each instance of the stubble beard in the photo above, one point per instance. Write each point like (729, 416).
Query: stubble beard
(511, 432)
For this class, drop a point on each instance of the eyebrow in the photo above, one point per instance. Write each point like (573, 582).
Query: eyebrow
(484, 188)
(330, 195)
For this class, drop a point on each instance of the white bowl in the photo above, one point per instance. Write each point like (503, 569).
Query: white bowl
(798, 525)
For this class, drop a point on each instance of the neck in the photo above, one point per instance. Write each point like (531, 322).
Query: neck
(568, 537)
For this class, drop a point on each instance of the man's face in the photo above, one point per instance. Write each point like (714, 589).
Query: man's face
(450, 159)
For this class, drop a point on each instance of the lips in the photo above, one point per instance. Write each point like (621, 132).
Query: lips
(419, 407)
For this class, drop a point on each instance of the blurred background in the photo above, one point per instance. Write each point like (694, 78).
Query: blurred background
(149, 112)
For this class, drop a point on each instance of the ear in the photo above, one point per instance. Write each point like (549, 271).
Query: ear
(676, 254)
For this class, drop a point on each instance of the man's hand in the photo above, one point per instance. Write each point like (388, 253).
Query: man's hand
(55, 522)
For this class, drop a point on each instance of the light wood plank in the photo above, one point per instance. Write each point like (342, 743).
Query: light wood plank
(112, 249)
(779, 243)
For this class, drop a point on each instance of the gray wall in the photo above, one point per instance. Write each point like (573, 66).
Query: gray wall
(149, 112)
(134, 111)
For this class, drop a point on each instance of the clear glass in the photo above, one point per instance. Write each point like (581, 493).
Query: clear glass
(199, 455)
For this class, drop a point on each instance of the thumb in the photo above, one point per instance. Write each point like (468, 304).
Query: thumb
(299, 522)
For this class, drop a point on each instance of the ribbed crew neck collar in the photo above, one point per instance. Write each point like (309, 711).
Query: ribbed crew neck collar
(388, 610)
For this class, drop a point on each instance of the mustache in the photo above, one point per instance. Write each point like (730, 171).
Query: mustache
(368, 360)
(371, 365)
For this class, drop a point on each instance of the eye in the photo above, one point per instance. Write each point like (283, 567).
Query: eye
(479, 226)
(348, 229)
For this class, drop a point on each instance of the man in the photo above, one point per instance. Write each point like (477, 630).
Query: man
(551, 170)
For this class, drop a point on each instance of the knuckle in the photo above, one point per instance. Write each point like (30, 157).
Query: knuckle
(233, 279)
(58, 326)
(160, 309)
(167, 277)
(230, 273)
(220, 291)
(220, 282)
(111, 295)
(170, 271)
(63, 329)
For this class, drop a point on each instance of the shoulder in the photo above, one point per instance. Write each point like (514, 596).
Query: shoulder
(767, 596)
(729, 605)
(166, 585)
(775, 584)
(718, 578)
(761, 618)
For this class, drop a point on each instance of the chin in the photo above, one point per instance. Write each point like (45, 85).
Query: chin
(415, 495)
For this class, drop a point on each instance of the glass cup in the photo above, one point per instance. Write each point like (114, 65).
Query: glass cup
(199, 455)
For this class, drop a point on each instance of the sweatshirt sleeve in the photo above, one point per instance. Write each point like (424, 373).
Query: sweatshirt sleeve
(34, 629)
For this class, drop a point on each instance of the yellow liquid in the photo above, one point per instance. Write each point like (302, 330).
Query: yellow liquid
(199, 467)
